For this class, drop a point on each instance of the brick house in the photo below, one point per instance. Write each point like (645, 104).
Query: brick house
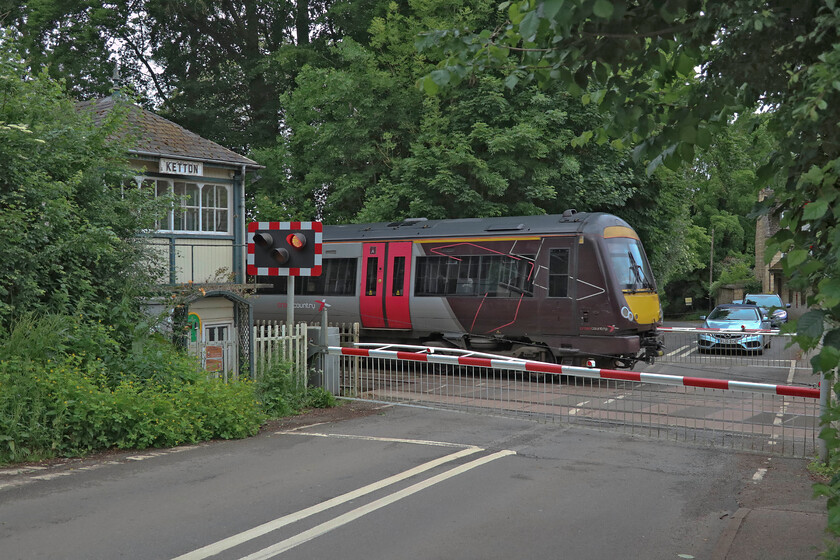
(770, 273)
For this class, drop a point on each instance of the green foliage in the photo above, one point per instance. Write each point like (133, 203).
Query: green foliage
(737, 270)
(68, 230)
(363, 144)
(224, 64)
(54, 402)
(281, 391)
(780, 58)
(318, 397)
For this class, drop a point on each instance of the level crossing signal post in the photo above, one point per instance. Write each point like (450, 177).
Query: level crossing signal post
(285, 249)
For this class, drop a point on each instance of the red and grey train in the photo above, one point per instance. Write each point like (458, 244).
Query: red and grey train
(567, 288)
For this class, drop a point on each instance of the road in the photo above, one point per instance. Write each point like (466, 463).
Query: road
(502, 488)
(780, 364)
(400, 483)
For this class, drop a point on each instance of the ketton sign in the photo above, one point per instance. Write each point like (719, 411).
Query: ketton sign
(179, 167)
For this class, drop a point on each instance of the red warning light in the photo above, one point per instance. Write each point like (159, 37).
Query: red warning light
(296, 240)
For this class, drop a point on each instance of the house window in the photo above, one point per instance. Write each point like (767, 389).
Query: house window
(197, 207)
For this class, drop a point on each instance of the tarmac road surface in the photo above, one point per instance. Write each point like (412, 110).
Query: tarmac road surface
(414, 483)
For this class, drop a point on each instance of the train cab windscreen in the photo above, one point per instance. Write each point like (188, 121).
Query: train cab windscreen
(629, 265)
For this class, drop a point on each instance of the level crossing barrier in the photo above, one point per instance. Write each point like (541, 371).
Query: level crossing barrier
(775, 419)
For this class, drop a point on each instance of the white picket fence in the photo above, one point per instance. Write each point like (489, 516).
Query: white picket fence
(273, 341)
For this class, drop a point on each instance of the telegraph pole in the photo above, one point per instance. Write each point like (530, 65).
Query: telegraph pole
(711, 268)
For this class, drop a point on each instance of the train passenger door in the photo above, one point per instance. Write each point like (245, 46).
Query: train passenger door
(385, 282)
(397, 285)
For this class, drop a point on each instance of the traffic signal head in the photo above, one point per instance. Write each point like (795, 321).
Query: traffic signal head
(284, 248)
(296, 240)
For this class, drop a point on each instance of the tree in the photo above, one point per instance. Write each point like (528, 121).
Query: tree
(638, 61)
(382, 152)
(67, 226)
(218, 67)
(722, 189)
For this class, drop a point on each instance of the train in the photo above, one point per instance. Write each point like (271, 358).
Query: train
(574, 288)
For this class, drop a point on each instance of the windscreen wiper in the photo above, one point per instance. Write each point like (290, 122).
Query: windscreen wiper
(636, 274)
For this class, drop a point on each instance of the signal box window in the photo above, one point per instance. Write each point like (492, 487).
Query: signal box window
(558, 273)
(338, 278)
(196, 207)
(214, 208)
(475, 275)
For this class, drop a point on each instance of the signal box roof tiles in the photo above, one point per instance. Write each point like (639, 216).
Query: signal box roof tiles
(152, 135)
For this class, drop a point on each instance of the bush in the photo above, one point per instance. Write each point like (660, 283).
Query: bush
(281, 391)
(54, 403)
(68, 410)
(57, 402)
(318, 397)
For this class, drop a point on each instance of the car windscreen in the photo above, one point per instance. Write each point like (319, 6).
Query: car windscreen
(734, 314)
(766, 300)
(629, 264)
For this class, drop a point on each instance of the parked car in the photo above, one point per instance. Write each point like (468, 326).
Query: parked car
(771, 305)
(732, 327)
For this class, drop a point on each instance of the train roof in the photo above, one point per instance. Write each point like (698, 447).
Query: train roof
(569, 222)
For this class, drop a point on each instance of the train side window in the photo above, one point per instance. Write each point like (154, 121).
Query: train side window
(558, 273)
(399, 276)
(338, 278)
(475, 275)
(516, 277)
(488, 276)
(273, 285)
(370, 279)
(430, 276)
(467, 276)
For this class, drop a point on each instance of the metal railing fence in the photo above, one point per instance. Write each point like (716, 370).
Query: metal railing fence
(688, 345)
(775, 419)
(218, 359)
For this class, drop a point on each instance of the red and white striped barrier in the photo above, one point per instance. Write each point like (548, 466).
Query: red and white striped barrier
(431, 357)
(702, 330)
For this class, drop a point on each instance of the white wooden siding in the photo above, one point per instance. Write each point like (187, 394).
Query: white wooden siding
(203, 260)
